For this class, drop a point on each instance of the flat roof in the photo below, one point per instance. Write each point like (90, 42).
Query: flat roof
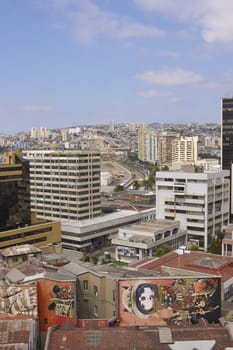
(118, 214)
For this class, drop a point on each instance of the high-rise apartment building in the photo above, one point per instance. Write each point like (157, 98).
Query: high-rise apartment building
(65, 185)
(165, 149)
(148, 145)
(184, 149)
(200, 201)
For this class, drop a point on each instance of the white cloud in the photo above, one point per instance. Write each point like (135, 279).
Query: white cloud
(213, 17)
(169, 96)
(170, 77)
(34, 108)
(86, 21)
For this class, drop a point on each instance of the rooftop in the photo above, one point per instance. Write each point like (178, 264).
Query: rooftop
(208, 337)
(205, 263)
(20, 250)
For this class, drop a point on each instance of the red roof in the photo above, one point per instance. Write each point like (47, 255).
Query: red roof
(118, 338)
(199, 262)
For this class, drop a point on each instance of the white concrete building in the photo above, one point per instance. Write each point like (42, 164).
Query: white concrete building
(106, 178)
(148, 145)
(65, 185)
(140, 240)
(88, 235)
(200, 201)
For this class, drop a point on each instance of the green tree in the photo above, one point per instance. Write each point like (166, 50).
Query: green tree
(215, 246)
(136, 185)
(193, 248)
(162, 251)
(119, 188)
(95, 260)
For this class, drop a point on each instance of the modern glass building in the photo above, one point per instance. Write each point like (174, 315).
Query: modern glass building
(14, 192)
(227, 133)
(227, 142)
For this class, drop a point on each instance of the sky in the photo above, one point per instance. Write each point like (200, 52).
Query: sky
(68, 63)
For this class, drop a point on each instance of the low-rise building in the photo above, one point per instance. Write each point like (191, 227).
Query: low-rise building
(227, 242)
(184, 262)
(141, 240)
(88, 235)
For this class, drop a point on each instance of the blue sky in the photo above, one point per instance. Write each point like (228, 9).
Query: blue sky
(74, 62)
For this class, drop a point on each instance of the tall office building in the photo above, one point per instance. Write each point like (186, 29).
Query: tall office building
(200, 201)
(148, 145)
(227, 142)
(227, 133)
(14, 191)
(16, 225)
(65, 185)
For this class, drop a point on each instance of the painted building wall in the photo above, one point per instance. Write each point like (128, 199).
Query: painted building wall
(18, 301)
(159, 302)
(56, 302)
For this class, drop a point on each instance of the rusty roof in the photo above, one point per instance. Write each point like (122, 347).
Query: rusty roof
(15, 333)
(20, 250)
(199, 262)
(119, 338)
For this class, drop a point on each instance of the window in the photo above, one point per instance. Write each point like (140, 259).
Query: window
(85, 285)
(95, 312)
(95, 291)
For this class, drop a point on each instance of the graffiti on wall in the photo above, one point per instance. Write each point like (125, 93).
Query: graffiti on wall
(18, 301)
(56, 302)
(159, 301)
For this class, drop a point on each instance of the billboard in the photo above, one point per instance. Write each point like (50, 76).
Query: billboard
(159, 302)
(18, 301)
(56, 302)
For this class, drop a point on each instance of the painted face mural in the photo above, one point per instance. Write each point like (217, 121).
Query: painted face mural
(157, 302)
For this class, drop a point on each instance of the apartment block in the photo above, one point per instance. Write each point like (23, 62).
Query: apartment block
(184, 149)
(200, 201)
(65, 185)
(148, 145)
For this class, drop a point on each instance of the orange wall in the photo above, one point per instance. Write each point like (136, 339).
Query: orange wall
(56, 302)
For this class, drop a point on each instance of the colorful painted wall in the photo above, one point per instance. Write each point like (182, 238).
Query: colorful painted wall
(56, 302)
(18, 301)
(159, 302)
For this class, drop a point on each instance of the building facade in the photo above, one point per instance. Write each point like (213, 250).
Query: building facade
(139, 241)
(227, 141)
(200, 201)
(184, 149)
(148, 145)
(165, 149)
(65, 185)
(14, 192)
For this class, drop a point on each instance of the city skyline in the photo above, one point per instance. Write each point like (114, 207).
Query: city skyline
(87, 62)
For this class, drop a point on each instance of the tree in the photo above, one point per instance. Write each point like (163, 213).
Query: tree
(215, 246)
(95, 259)
(136, 185)
(162, 251)
(194, 248)
(119, 188)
